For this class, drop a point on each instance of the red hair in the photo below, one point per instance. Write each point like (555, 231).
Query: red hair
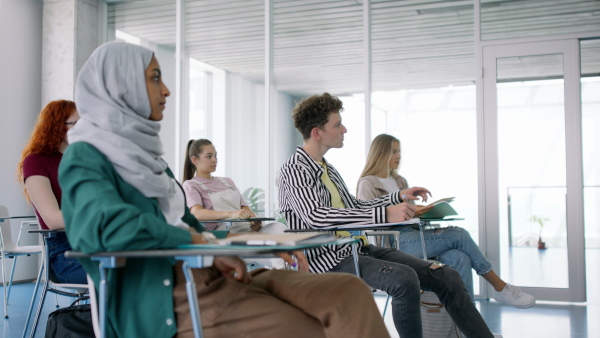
(48, 133)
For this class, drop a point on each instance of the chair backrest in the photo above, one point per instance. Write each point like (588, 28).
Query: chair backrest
(6, 242)
(48, 272)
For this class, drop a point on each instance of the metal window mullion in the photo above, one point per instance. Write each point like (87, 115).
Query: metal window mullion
(181, 84)
(368, 71)
(574, 171)
(269, 55)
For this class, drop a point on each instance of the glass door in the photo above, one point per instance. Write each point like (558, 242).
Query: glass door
(533, 173)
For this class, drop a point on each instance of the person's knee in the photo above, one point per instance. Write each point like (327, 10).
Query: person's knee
(451, 277)
(402, 280)
(455, 258)
(463, 235)
(454, 232)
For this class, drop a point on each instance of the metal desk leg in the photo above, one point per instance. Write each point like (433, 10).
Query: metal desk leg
(421, 225)
(102, 301)
(355, 257)
(35, 289)
(190, 286)
(105, 263)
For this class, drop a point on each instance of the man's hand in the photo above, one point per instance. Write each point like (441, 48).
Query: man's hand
(400, 212)
(300, 261)
(256, 226)
(414, 193)
(232, 267)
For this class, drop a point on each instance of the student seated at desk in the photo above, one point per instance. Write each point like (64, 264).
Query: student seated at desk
(452, 245)
(216, 198)
(118, 194)
(312, 194)
(38, 169)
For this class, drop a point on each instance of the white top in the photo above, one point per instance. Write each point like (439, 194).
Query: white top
(389, 184)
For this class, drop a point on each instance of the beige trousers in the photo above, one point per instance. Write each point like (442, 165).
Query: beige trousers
(279, 303)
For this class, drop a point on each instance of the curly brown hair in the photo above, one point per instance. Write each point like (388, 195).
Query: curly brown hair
(314, 112)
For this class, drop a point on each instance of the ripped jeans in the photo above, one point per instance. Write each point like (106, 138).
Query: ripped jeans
(402, 276)
(452, 246)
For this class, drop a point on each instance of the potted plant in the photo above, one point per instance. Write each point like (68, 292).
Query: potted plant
(255, 197)
(541, 221)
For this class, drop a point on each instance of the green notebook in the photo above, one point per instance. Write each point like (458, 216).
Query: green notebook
(441, 208)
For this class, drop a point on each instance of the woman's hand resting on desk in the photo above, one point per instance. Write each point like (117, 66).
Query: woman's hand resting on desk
(413, 194)
(300, 261)
(239, 214)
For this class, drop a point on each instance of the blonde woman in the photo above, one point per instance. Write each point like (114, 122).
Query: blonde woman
(452, 246)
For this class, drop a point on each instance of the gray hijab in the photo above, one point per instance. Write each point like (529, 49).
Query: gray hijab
(113, 105)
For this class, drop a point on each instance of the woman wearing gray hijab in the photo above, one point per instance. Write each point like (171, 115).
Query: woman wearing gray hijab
(118, 194)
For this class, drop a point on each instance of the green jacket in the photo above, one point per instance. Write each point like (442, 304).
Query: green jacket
(104, 213)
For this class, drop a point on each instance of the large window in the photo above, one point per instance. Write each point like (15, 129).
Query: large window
(425, 62)
(502, 19)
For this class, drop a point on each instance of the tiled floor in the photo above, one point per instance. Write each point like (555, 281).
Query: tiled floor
(545, 319)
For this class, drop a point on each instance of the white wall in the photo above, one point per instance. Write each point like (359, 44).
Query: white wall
(245, 154)
(20, 92)
(168, 135)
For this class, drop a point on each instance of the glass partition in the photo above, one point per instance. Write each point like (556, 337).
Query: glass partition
(590, 123)
(532, 171)
(424, 95)
(318, 47)
(225, 42)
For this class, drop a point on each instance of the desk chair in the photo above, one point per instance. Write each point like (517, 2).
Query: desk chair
(93, 306)
(9, 250)
(50, 285)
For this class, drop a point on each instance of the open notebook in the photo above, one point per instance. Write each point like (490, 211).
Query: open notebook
(279, 239)
(438, 209)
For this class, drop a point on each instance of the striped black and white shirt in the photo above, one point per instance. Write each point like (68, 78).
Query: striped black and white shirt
(306, 204)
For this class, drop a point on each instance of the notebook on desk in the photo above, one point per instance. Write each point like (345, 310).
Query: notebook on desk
(279, 239)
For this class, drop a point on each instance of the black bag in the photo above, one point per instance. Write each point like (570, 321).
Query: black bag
(74, 321)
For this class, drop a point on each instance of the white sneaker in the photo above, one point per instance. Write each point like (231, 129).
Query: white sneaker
(513, 296)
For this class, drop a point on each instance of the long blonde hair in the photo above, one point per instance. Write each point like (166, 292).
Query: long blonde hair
(379, 156)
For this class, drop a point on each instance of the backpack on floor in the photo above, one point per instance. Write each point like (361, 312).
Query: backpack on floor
(436, 321)
(74, 321)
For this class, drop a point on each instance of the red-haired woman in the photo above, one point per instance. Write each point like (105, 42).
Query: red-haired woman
(38, 169)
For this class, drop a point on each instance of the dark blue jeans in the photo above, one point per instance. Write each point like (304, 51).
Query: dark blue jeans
(66, 270)
(402, 276)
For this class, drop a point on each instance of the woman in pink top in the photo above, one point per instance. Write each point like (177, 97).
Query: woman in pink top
(216, 198)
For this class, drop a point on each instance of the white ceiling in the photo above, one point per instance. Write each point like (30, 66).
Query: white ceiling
(318, 44)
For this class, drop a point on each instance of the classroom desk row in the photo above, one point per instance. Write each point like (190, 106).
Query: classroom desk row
(194, 255)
